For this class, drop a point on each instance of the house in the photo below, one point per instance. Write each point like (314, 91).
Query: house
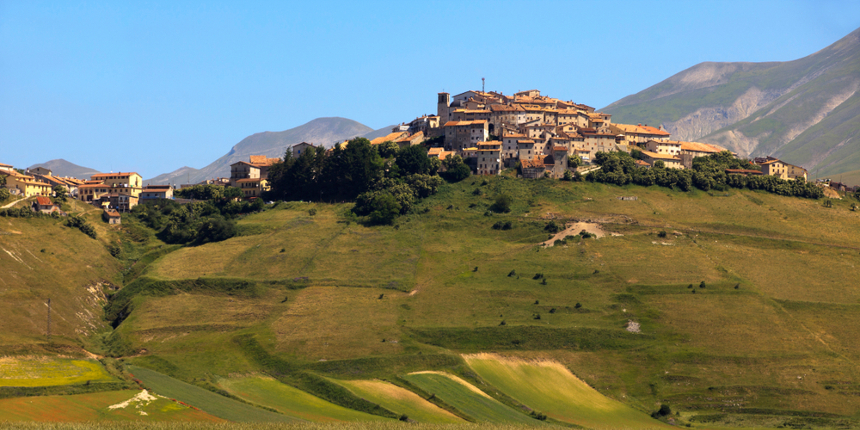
(257, 167)
(44, 205)
(253, 187)
(533, 169)
(112, 217)
(489, 158)
(156, 192)
(460, 135)
(669, 161)
(92, 191)
(691, 150)
(121, 202)
(129, 183)
(776, 167)
(300, 148)
(636, 134)
(26, 185)
(670, 147)
(40, 171)
(411, 140)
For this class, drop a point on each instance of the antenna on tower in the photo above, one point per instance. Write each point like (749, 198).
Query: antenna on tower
(482, 86)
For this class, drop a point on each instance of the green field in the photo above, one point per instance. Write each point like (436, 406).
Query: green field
(292, 401)
(550, 388)
(97, 406)
(207, 401)
(401, 401)
(468, 398)
(40, 372)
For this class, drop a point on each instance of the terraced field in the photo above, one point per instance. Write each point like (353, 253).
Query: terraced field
(549, 387)
(207, 401)
(112, 406)
(468, 398)
(45, 371)
(291, 401)
(401, 401)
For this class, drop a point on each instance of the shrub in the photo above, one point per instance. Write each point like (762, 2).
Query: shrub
(502, 204)
(312, 212)
(512, 274)
(537, 276)
(577, 305)
(552, 227)
(543, 281)
(702, 285)
(536, 316)
(477, 192)
(537, 415)
(5, 194)
(585, 235)
(507, 225)
(81, 224)
(662, 233)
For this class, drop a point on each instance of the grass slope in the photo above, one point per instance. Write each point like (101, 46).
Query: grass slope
(467, 398)
(550, 388)
(207, 401)
(95, 406)
(292, 401)
(401, 401)
(40, 372)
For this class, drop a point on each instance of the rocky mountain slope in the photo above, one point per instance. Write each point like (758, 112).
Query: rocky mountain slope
(805, 111)
(61, 167)
(324, 131)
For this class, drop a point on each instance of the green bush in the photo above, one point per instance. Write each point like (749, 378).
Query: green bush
(502, 204)
(81, 224)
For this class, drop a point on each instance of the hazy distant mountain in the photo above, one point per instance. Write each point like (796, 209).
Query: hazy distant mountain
(805, 111)
(325, 131)
(378, 133)
(61, 167)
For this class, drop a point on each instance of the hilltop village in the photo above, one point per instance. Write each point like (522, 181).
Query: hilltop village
(539, 136)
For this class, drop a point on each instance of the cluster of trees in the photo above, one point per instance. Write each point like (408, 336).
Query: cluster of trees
(707, 173)
(81, 224)
(195, 223)
(384, 180)
(209, 192)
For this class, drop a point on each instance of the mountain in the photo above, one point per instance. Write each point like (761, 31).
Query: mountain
(61, 167)
(805, 111)
(325, 131)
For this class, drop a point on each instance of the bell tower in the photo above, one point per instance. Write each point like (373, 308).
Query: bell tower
(443, 108)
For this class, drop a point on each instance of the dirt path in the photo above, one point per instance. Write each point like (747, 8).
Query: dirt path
(574, 229)
(12, 204)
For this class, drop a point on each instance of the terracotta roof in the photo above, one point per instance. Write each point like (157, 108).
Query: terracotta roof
(389, 137)
(698, 147)
(93, 186)
(44, 201)
(111, 213)
(770, 161)
(246, 180)
(5, 165)
(262, 160)
(435, 151)
(641, 163)
(119, 174)
(530, 164)
(461, 123)
(640, 129)
(559, 148)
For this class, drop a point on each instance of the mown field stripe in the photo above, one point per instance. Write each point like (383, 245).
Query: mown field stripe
(217, 405)
(548, 387)
(480, 407)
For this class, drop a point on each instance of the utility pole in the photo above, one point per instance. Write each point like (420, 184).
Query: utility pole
(49, 320)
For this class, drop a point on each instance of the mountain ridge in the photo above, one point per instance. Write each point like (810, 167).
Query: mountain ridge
(61, 167)
(803, 111)
(325, 131)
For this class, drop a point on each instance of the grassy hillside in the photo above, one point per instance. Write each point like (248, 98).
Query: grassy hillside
(740, 299)
(761, 337)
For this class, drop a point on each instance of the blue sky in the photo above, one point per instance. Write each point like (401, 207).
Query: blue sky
(157, 85)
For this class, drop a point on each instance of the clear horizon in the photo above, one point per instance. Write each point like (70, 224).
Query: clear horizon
(155, 87)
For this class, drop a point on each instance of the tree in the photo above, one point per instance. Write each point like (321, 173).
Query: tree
(502, 204)
(456, 170)
(574, 161)
(231, 193)
(60, 192)
(2, 180)
(384, 209)
(4, 194)
(659, 164)
(413, 160)
(387, 149)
